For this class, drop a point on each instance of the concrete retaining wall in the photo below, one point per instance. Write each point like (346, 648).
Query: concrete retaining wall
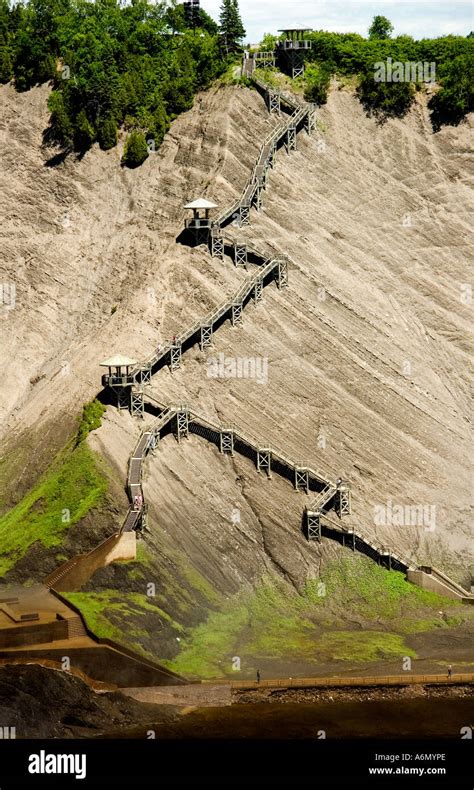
(429, 582)
(36, 633)
(118, 547)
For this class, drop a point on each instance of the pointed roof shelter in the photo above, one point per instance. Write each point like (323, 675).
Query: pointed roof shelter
(200, 203)
(200, 222)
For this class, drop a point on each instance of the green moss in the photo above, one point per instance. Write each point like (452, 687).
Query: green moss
(120, 616)
(200, 584)
(91, 419)
(362, 646)
(208, 651)
(275, 622)
(71, 487)
(143, 555)
(376, 594)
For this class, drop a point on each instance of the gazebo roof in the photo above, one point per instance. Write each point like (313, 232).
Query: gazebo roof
(201, 203)
(118, 361)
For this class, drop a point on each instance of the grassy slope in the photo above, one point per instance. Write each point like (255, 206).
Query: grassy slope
(70, 488)
(116, 615)
(357, 611)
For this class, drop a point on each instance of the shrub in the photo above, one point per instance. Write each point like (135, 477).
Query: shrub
(136, 150)
(83, 133)
(456, 96)
(107, 134)
(385, 99)
(317, 79)
(61, 125)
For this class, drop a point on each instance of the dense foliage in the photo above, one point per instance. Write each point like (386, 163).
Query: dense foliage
(351, 54)
(456, 97)
(112, 65)
(385, 99)
(317, 79)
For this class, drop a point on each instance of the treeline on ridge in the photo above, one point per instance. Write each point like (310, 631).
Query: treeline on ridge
(135, 66)
(351, 54)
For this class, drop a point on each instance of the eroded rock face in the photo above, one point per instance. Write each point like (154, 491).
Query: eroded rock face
(366, 349)
(46, 703)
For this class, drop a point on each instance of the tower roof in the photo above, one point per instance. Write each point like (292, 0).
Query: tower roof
(118, 361)
(201, 203)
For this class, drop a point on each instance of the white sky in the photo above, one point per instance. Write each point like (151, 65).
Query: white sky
(417, 18)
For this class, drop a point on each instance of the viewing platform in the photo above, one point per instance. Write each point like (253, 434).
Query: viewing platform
(119, 374)
(291, 50)
(200, 223)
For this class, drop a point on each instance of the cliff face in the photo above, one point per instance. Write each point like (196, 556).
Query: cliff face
(366, 348)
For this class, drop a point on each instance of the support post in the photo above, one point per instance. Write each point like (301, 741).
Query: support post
(182, 424)
(343, 499)
(175, 356)
(153, 442)
(123, 398)
(227, 441)
(202, 236)
(291, 139)
(282, 274)
(137, 404)
(240, 254)
(236, 316)
(273, 101)
(301, 479)
(257, 291)
(244, 215)
(217, 246)
(313, 524)
(297, 64)
(264, 461)
(145, 375)
(143, 523)
(206, 336)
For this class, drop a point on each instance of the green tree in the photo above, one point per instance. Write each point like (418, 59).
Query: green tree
(107, 134)
(6, 65)
(381, 27)
(84, 134)
(268, 42)
(231, 26)
(317, 79)
(207, 23)
(135, 150)
(385, 99)
(60, 121)
(456, 96)
(37, 42)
